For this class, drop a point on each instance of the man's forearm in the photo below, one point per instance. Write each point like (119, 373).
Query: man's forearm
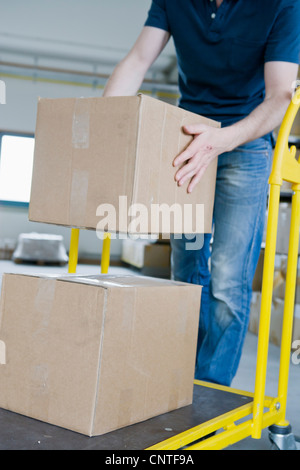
(125, 80)
(129, 74)
(263, 119)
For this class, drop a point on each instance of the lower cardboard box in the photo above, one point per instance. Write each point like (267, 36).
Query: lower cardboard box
(96, 353)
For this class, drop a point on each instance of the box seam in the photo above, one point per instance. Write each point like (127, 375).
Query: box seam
(71, 168)
(136, 160)
(36, 132)
(161, 150)
(2, 303)
(104, 310)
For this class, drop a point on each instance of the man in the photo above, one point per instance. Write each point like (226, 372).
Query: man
(237, 60)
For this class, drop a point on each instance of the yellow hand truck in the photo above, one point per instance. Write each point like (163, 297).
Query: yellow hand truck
(258, 411)
(265, 412)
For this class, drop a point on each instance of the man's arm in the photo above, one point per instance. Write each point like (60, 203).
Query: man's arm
(279, 77)
(209, 142)
(129, 74)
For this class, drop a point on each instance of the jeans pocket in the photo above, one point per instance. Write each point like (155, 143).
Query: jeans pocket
(257, 146)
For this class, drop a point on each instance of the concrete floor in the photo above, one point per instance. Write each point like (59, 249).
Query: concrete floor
(245, 377)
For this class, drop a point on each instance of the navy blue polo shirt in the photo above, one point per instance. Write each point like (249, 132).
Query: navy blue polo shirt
(221, 51)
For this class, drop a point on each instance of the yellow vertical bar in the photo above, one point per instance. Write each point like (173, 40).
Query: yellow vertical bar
(289, 302)
(105, 257)
(265, 310)
(73, 252)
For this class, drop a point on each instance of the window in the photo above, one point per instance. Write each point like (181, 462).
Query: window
(16, 161)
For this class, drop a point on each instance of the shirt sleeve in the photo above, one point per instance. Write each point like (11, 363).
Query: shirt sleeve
(157, 15)
(284, 40)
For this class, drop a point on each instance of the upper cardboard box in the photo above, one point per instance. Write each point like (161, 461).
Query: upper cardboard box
(106, 163)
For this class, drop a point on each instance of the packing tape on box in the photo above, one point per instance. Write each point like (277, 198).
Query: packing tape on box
(39, 396)
(81, 124)
(78, 197)
(2, 353)
(129, 309)
(40, 379)
(94, 280)
(44, 300)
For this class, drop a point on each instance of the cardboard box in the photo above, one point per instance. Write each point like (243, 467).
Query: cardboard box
(96, 353)
(152, 259)
(106, 164)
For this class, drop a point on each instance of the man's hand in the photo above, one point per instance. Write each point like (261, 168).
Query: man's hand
(208, 143)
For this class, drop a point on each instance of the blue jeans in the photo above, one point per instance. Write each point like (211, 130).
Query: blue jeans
(232, 252)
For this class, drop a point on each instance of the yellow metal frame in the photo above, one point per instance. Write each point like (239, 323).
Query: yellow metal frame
(234, 425)
(262, 411)
(73, 251)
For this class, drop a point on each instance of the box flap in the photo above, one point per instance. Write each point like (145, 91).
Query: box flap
(106, 281)
(109, 281)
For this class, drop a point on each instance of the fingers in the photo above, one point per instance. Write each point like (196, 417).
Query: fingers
(193, 166)
(190, 172)
(187, 154)
(194, 159)
(194, 129)
(186, 172)
(194, 146)
(196, 178)
(185, 178)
